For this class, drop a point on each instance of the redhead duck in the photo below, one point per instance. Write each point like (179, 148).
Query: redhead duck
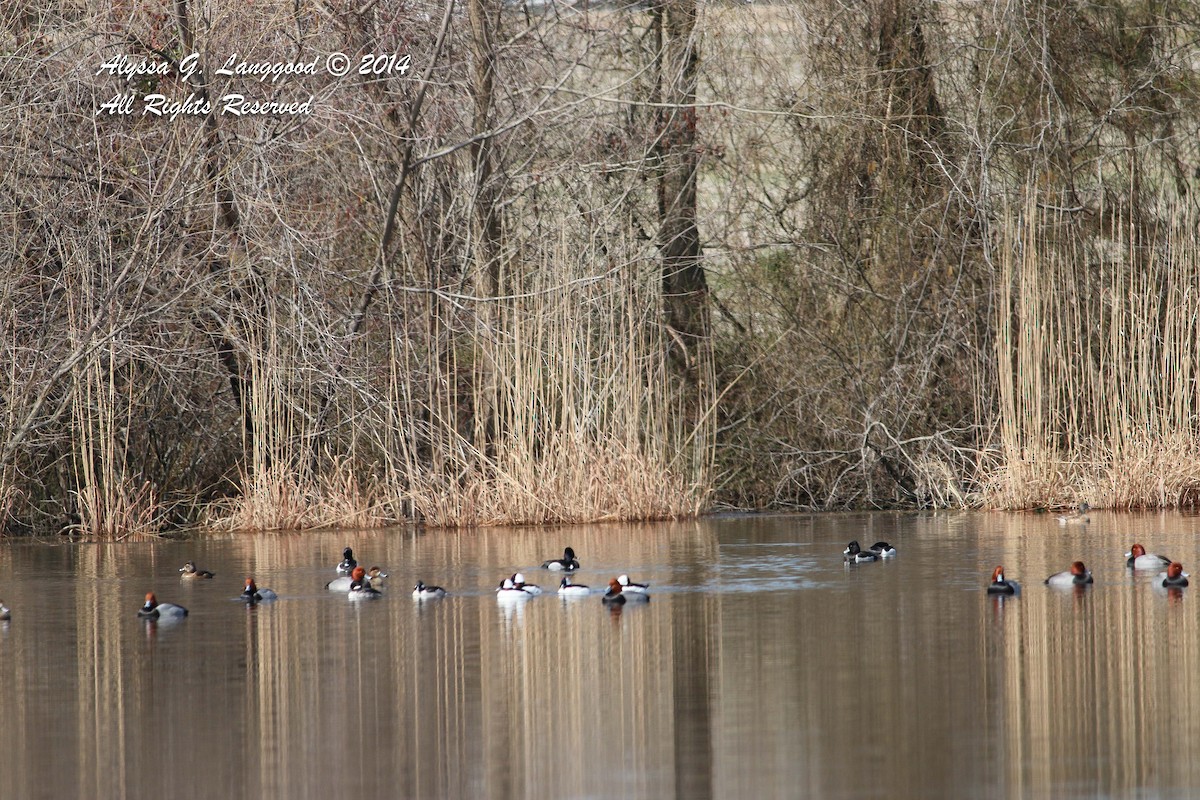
(344, 583)
(507, 591)
(5, 614)
(629, 586)
(1077, 517)
(191, 573)
(253, 594)
(423, 592)
(1138, 558)
(614, 593)
(518, 581)
(883, 550)
(1001, 586)
(347, 564)
(1174, 577)
(568, 589)
(156, 610)
(565, 564)
(856, 554)
(1077, 575)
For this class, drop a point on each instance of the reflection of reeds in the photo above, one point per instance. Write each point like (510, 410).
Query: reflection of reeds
(1097, 365)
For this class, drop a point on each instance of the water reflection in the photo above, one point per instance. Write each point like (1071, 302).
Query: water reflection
(763, 667)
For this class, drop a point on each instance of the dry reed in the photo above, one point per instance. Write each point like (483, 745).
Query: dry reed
(1097, 363)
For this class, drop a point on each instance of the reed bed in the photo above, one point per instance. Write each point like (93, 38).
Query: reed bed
(1097, 352)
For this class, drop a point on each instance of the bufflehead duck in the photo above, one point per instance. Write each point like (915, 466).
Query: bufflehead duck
(1174, 576)
(156, 610)
(518, 581)
(253, 594)
(5, 614)
(856, 554)
(568, 589)
(631, 587)
(1078, 517)
(423, 592)
(565, 564)
(507, 591)
(1138, 558)
(347, 564)
(1001, 586)
(191, 573)
(883, 550)
(1078, 575)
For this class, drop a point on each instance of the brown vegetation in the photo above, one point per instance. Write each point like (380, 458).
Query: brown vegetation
(589, 263)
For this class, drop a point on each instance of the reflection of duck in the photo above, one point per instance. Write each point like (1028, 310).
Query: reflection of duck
(856, 554)
(568, 589)
(423, 592)
(1078, 575)
(191, 573)
(1077, 517)
(347, 564)
(629, 586)
(156, 610)
(1138, 558)
(1001, 586)
(1174, 577)
(253, 594)
(565, 564)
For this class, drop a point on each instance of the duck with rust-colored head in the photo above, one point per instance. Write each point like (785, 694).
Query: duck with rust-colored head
(1138, 558)
(1174, 577)
(156, 610)
(253, 594)
(1000, 585)
(1077, 575)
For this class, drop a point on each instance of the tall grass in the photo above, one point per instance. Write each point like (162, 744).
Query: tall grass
(554, 403)
(1096, 356)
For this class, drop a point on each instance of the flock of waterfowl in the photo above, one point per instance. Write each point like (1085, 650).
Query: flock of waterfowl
(361, 584)
(1171, 575)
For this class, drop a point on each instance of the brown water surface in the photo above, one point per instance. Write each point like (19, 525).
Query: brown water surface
(762, 668)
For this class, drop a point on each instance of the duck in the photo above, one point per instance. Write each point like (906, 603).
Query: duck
(5, 614)
(361, 589)
(1138, 558)
(347, 564)
(156, 610)
(614, 595)
(568, 589)
(253, 594)
(1001, 586)
(376, 575)
(344, 583)
(883, 550)
(629, 586)
(423, 592)
(507, 591)
(191, 573)
(1077, 575)
(1077, 517)
(1174, 577)
(856, 554)
(518, 581)
(565, 564)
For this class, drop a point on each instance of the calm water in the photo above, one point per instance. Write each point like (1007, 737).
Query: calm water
(763, 667)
